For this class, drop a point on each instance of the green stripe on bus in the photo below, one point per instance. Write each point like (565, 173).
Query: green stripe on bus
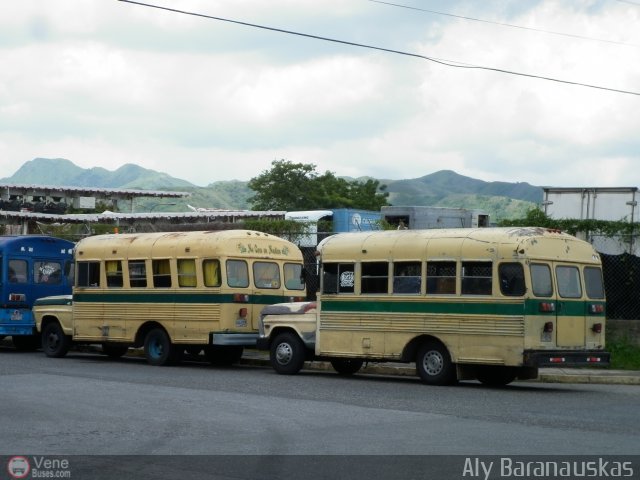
(172, 297)
(459, 306)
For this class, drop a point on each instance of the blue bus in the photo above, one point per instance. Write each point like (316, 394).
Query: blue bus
(31, 266)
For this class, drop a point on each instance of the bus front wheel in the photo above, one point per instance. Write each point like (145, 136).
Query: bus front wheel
(287, 354)
(434, 365)
(54, 342)
(159, 350)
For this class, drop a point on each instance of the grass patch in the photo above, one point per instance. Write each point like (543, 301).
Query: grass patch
(624, 355)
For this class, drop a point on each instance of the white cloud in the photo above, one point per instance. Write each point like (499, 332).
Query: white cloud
(108, 83)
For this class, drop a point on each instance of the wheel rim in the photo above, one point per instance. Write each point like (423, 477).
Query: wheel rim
(155, 348)
(284, 352)
(433, 362)
(52, 340)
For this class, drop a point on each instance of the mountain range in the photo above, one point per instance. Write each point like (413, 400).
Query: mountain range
(444, 188)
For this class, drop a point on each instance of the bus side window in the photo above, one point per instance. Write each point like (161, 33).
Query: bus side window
(375, 277)
(476, 278)
(441, 277)
(541, 282)
(293, 276)
(407, 277)
(70, 272)
(187, 272)
(47, 272)
(137, 273)
(18, 271)
(511, 279)
(237, 273)
(266, 275)
(593, 282)
(211, 271)
(338, 278)
(88, 274)
(113, 269)
(161, 273)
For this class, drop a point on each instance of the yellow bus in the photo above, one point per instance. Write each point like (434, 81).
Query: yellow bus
(171, 292)
(492, 304)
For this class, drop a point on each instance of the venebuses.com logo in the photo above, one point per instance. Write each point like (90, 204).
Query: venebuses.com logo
(20, 466)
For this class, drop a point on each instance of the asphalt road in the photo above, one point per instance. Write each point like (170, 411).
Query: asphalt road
(87, 404)
(125, 419)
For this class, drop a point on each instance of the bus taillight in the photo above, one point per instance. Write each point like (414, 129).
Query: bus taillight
(596, 328)
(594, 359)
(296, 299)
(596, 308)
(240, 298)
(556, 359)
(547, 307)
(17, 297)
(548, 327)
(242, 312)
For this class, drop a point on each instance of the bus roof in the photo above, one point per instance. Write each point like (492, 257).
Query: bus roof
(469, 243)
(16, 242)
(241, 243)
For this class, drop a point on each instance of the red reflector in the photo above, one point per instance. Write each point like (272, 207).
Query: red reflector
(17, 297)
(596, 328)
(240, 298)
(296, 299)
(556, 360)
(547, 307)
(242, 312)
(594, 359)
(548, 327)
(595, 308)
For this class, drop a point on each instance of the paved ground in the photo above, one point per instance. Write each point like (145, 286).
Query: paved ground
(550, 375)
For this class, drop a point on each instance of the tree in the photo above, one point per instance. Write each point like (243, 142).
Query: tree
(298, 186)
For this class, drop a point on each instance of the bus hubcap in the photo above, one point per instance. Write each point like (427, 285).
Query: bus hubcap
(284, 353)
(433, 363)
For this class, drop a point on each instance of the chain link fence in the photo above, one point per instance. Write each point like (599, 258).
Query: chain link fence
(622, 285)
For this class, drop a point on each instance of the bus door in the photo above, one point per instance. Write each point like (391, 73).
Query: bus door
(570, 308)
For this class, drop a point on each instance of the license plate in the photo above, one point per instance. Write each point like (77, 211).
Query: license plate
(16, 315)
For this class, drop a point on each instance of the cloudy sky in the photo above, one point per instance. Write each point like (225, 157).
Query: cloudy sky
(105, 83)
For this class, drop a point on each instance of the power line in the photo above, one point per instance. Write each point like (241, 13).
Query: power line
(502, 24)
(448, 63)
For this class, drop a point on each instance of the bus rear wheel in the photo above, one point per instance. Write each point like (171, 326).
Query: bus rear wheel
(159, 350)
(346, 366)
(434, 366)
(496, 376)
(54, 342)
(287, 354)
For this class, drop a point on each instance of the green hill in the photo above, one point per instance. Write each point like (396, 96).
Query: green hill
(445, 188)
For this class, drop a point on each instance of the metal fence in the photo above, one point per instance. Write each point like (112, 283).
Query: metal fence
(622, 285)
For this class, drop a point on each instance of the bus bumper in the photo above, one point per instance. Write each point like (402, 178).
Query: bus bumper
(7, 330)
(564, 358)
(234, 339)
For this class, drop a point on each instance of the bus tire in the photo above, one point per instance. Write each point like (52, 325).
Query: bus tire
(26, 343)
(223, 355)
(287, 354)
(54, 342)
(496, 376)
(114, 350)
(158, 349)
(434, 366)
(346, 366)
